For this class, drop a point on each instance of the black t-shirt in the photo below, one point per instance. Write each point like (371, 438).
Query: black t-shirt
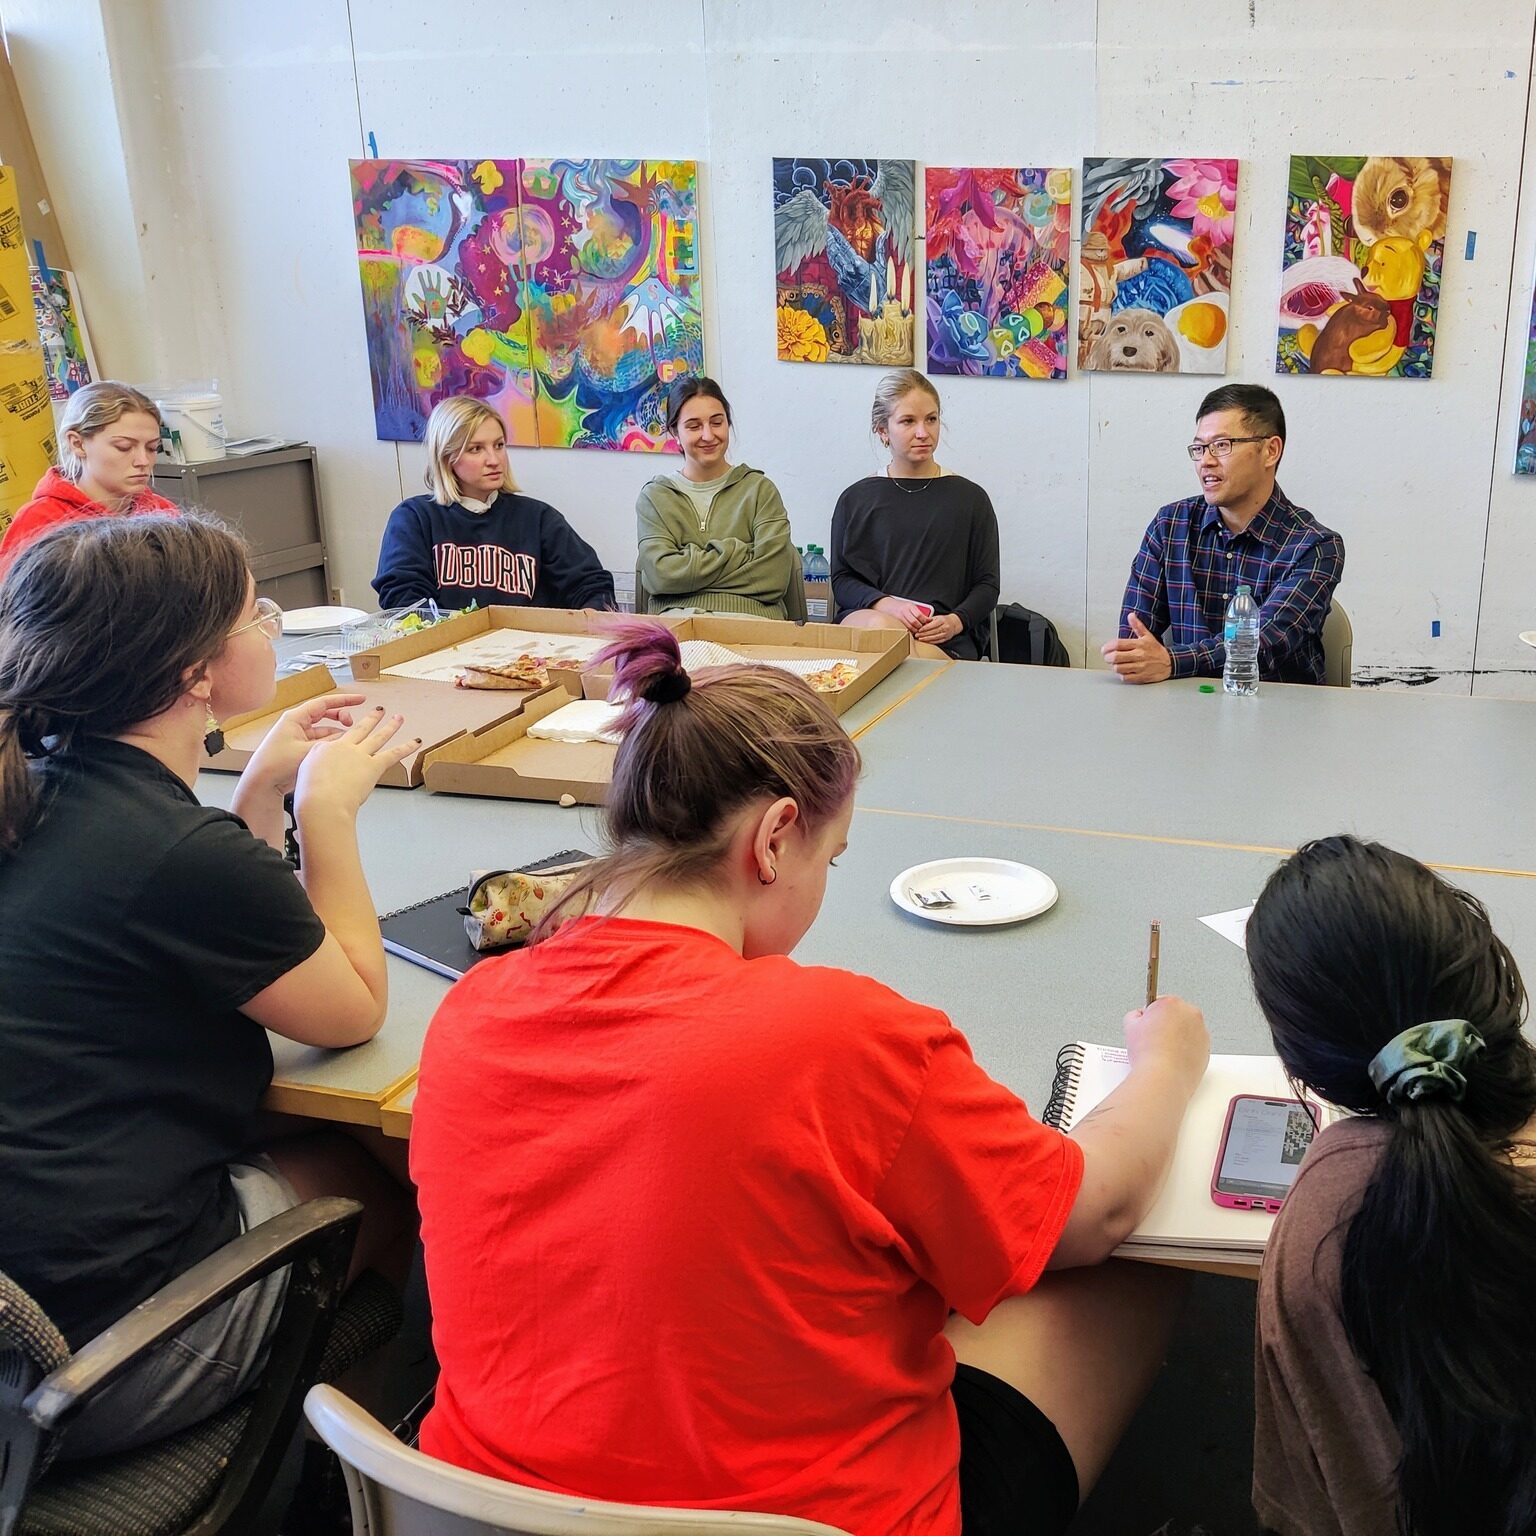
(932, 541)
(134, 923)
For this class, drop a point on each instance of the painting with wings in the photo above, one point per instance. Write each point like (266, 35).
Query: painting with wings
(842, 234)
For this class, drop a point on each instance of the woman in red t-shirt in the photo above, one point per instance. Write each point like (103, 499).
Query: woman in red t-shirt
(108, 440)
(696, 1217)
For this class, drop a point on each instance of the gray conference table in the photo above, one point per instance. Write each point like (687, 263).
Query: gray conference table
(1140, 803)
(1451, 780)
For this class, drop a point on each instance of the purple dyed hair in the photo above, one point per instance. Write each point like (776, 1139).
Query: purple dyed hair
(694, 754)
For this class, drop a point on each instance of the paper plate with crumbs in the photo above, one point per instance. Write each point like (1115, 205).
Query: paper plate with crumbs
(974, 893)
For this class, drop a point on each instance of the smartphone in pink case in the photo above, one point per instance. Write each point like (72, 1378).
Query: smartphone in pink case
(1262, 1145)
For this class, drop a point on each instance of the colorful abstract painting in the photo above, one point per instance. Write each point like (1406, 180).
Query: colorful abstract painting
(612, 293)
(1155, 265)
(1525, 444)
(998, 244)
(61, 326)
(842, 235)
(563, 292)
(1360, 280)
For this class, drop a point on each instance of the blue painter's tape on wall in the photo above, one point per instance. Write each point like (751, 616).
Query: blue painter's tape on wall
(373, 147)
(1434, 629)
(1471, 243)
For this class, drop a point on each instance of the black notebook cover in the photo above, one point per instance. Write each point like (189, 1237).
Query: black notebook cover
(431, 933)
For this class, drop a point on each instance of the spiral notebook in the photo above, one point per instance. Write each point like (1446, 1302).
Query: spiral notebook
(1184, 1223)
(431, 933)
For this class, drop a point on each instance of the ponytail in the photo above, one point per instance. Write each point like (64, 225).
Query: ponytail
(1351, 945)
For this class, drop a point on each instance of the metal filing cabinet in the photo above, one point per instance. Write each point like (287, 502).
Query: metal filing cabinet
(273, 498)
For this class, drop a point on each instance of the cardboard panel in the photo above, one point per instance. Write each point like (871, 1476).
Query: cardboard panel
(503, 761)
(432, 711)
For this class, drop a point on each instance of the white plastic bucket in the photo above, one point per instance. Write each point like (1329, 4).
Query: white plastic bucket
(198, 420)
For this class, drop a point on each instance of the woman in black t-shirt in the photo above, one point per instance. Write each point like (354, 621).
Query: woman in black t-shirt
(146, 940)
(915, 547)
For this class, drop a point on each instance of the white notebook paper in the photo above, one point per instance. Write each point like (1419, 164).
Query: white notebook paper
(1184, 1223)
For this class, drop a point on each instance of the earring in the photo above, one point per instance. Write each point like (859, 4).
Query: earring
(761, 881)
(213, 737)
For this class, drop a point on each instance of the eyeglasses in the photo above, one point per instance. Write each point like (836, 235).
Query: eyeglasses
(1221, 447)
(269, 620)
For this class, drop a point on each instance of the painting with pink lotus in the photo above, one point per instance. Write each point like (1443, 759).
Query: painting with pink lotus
(1155, 265)
(1360, 282)
(998, 246)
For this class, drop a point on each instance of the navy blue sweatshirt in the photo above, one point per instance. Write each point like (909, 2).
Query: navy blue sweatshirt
(518, 551)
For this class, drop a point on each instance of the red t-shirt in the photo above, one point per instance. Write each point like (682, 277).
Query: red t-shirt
(694, 1223)
(57, 500)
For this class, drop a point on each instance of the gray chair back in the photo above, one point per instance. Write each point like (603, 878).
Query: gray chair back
(1338, 648)
(396, 1491)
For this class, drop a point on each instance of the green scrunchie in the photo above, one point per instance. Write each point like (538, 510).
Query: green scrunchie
(1425, 1062)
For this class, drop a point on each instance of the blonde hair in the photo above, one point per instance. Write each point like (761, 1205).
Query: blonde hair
(93, 407)
(891, 388)
(449, 428)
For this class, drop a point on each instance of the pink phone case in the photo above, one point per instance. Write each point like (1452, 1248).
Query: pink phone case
(1242, 1202)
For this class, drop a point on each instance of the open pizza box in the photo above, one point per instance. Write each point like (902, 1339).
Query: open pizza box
(502, 759)
(433, 712)
(567, 637)
(875, 653)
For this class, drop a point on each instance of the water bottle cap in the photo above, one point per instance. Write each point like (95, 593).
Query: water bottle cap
(1245, 588)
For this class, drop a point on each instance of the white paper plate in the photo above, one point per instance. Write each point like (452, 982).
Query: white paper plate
(1529, 636)
(315, 621)
(986, 892)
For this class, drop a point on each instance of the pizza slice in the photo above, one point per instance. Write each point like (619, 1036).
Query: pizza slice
(833, 679)
(524, 673)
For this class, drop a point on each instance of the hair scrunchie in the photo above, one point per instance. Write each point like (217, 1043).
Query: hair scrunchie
(669, 688)
(1426, 1062)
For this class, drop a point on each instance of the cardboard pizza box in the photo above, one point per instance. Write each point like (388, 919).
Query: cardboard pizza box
(502, 760)
(435, 713)
(875, 652)
(586, 622)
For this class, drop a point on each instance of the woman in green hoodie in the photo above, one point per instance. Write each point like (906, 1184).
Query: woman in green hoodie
(714, 536)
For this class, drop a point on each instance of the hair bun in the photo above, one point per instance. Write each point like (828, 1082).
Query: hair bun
(669, 688)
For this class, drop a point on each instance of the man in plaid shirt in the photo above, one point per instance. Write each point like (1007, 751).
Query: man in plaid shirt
(1241, 529)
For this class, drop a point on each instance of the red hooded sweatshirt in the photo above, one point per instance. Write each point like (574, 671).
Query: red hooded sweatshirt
(57, 500)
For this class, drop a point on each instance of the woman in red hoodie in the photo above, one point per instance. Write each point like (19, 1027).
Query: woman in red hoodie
(108, 440)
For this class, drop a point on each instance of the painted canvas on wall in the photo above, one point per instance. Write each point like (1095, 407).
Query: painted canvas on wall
(1155, 264)
(67, 352)
(998, 243)
(613, 296)
(842, 234)
(1360, 281)
(438, 248)
(563, 292)
(1525, 443)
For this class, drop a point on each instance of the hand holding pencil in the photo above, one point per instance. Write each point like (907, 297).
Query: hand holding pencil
(1168, 1026)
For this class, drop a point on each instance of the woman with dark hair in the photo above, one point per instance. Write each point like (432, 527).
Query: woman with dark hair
(1396, 1381)
(714, 536)
(145, 941)
(696, 1217)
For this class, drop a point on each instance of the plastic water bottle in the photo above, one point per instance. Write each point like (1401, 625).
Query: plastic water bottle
(1241, 673)
(817, 566)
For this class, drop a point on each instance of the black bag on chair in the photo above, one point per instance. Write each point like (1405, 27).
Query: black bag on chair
(1024, 636)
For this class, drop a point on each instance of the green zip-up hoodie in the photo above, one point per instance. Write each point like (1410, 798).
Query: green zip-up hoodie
(741, 559)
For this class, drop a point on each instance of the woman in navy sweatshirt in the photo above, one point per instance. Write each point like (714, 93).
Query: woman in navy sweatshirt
(473, 538)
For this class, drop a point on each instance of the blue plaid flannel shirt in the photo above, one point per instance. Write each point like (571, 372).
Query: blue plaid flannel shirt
(1189, 566)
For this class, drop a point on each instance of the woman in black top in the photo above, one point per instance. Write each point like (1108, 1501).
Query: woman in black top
(146, 940)
(915, 547)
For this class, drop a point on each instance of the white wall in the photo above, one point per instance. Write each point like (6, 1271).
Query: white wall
(238, 120)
